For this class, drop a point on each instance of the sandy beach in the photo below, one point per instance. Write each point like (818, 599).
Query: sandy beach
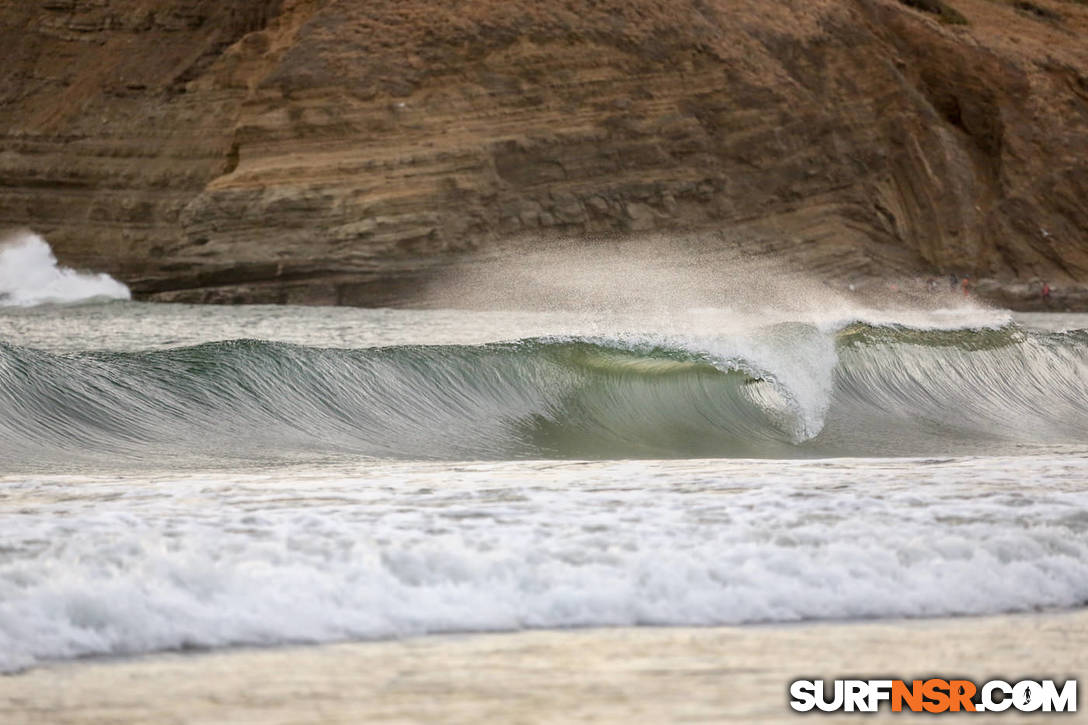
(728, 674)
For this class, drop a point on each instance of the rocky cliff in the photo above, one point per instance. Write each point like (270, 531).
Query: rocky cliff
(339, 151)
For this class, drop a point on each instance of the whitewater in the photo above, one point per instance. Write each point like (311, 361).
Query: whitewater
(30, 275)
(176, 477)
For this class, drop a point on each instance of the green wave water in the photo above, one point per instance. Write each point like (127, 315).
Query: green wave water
(862, 391)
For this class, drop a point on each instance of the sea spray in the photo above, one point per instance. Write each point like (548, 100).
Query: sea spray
(30, 275)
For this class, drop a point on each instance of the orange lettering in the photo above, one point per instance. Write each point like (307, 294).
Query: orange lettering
(961, 693)
(911, 695)
(936, 691)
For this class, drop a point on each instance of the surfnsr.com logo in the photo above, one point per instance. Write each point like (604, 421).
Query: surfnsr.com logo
(933, 696)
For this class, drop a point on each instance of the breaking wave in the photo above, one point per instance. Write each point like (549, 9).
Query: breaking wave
(30, 275)
(265, 553)
(790, 390)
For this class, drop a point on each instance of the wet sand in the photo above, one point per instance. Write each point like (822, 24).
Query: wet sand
(727, 674)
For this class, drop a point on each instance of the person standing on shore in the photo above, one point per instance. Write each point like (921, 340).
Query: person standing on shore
(1045, 293)
(966, 285)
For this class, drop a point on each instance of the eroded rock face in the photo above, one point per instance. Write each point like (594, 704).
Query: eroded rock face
(334, 150)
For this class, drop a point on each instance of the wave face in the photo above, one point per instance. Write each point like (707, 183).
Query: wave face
(30, 275)
(789, 390)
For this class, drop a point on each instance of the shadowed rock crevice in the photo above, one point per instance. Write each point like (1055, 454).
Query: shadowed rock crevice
(941, 9)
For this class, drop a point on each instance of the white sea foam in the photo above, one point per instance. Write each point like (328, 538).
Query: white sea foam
(30, 275)
(132, 566)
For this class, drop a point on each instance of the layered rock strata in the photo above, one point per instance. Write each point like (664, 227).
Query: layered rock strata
(332, 151)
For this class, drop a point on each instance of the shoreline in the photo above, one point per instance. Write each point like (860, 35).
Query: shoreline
(643, 674)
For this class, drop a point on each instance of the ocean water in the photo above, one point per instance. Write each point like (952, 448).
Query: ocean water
(177, 477)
